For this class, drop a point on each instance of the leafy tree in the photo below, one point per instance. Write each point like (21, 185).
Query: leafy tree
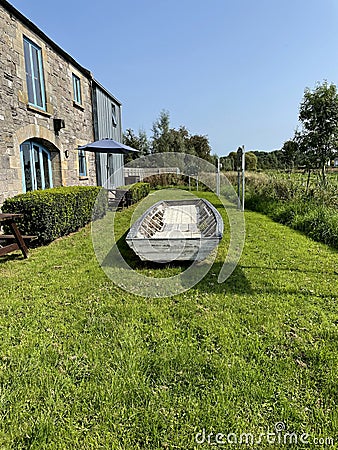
(161, 134)
(227, 163)
(230, 161)
(250, 161)
(290, 156)
(233, 160)
(179, 140)
(199, 145)
(318, 114)
(139, 142)
(269, 160)
(166, 139)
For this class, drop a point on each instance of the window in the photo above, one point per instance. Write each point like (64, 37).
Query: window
(36, 166)
(113, 115)
(34, 74)
(77, 90)
(82, 164)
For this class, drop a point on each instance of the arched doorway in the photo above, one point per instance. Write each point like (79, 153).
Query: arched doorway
(36, 166)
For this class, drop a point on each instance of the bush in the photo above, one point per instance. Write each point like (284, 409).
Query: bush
(137, 191)
(179, 181)
(166, 180)
(285, 201)
(56, 212)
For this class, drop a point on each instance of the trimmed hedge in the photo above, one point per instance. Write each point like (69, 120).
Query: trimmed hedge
(138, 191)
(135, 192)
(166, 180)
(56, 212)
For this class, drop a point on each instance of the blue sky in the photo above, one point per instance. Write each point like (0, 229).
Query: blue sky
(234, 70)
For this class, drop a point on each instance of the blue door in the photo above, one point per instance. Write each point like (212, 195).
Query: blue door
(36, 166)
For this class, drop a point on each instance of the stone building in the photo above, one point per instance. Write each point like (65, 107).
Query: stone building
(46, 111)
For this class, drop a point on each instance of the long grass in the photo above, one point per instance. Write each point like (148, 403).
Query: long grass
(85, 365)
(286, 199)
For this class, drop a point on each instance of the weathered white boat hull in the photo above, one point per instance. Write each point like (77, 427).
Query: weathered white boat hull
(167, 250)
(176, 231)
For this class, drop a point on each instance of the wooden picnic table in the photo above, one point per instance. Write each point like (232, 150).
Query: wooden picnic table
(19, 244)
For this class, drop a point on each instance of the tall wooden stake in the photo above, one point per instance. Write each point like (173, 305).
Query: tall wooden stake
(240, 175)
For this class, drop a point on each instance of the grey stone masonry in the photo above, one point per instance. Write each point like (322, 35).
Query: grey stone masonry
(20, 121)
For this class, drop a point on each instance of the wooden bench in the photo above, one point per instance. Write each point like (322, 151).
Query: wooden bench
(6, 237)
(19, 244)
(119, 198)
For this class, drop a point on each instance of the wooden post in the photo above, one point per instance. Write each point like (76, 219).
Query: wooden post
(240, 174)
(243, 177)
(218, 178)
(239, 164)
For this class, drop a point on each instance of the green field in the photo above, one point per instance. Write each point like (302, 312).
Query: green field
(86, 365)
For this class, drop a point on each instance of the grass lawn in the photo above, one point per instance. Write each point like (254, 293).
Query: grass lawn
(86, 365)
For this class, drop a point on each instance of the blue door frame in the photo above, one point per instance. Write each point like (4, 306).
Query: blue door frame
(36, 166)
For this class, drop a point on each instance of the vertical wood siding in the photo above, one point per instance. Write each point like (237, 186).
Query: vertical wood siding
(104, 128)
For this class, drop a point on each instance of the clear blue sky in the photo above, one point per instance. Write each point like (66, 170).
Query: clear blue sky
(234, 70)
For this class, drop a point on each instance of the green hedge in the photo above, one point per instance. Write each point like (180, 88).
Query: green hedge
(56, 212)
(166, 180)
(135, 192)
(138, 191)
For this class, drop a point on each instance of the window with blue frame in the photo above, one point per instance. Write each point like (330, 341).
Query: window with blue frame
(34, 74)
(82, 164)
(77, 90)
(36, 166)
(113, 115)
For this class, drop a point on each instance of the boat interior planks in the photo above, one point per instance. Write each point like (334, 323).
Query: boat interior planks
(176, 230)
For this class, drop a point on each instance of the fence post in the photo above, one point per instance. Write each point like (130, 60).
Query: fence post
(240, 174)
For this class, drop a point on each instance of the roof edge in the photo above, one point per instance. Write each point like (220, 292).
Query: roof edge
(106, 91)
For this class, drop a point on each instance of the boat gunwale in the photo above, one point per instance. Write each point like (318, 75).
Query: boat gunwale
(132, 234)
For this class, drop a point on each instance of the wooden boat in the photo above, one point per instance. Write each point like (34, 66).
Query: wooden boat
(176, 230)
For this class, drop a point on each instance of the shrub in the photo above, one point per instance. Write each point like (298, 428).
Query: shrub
(166, 180)
(285, 201)
(138, 191)
(56, 212)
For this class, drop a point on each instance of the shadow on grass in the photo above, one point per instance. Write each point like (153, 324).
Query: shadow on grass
(237, 283)
(135, 262)
(287, 269)
(11, 257)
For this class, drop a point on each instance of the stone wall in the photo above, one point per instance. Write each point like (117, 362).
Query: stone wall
(20, 122)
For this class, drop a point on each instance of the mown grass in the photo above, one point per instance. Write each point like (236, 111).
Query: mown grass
(86, 365)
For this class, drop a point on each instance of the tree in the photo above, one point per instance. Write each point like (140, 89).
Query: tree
(166, 139)
(269, 160)
(250, 161)
(161, 134)
(199, 145)
(139, 142)
(318, 138)
(226, 163)
(179, 140)
(233, 160)
(290, 154)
